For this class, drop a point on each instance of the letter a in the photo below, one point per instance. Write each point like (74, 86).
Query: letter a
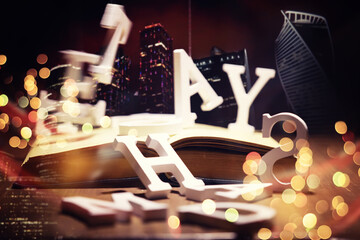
(147, 168)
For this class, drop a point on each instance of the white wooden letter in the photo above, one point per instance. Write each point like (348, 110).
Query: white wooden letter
(275, 154)
(258, 215)
(147, 168)
(188, 80)
(243, 99)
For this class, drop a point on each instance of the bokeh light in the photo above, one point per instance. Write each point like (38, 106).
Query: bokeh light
(32, 72)
(3, 59)
(342, 209)
(23, 102)
(2, 124)
(3, 100)
(340, 127)
(16, 121)
(231, 215)
(32, 116)
(44, 72)
(35, 103)
(42, 58)
(42, 113)
(324, 232)
(14, 141)
(250, 167)
(26, 133)
(356, 158)
(300, 143)
(264, 233)
(286, 144)
(309, 220)
(23, 144)
(321, 206)
(300, 200)
(349, 147)
(341, 179)
(297, 183)
(288, 196)
(286, 235)
(208, 206)
(105, 122)
(289, 126)
(336, 201)
(313, 181)
(87, 128)
(173, 222)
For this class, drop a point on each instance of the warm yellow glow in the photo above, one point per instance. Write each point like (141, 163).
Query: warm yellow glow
(356, 158)
(23, 144)
(341, 179)
(34, 91)
(231, 215)
(42, 58)
(253, 156)
(5, 117)
(340, 127)
(16, 121)
(321, 206)
(173, 222)
(301, 200)
(342, 209)
(313, 234)
(331, 152)
(286, 144)
(14, 141)
(309, 220)
(3, 100)
(305, 157)
(87, 128)
(42, 113)
(71, 107)
(32, 72)
(264, 233)
(35, 103)
(359, 172)
(250, 167)
(336, 201)
(349, 147)
(297, 183)
(286, 235)
(250, 178)
(313, 181)
(23, 102)
(300, 168)
(300, 233)
(288, 196)
(44, 72)
(105, 122)
(324, 232)
(29, 83)
(290, 227)
(261, 167)
(208, 206)
(26, 132)
(276, 203)
(3, 59)
(289, 126)
(2, 124)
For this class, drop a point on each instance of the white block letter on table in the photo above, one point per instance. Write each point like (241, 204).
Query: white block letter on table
(188, 80)
(276, 154)
(147, 168)
(143, 208)
(257, 217)
(243, 99)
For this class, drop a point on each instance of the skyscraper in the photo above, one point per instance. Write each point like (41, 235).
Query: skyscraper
(304, 59)
(117, 94)
(156, 70)
(211, 68)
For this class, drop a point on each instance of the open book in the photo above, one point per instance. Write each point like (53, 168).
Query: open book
(80, 159)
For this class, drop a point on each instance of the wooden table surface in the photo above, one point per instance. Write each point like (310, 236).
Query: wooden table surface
(36, 213)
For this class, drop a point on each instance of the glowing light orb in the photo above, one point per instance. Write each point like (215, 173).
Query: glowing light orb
(342, 209)
(14, 141)
(26, 132)
(173, 222)
(264, 233)
(105, 122)
(3, 100)
(231, 215)
(286, 144)
(324, 232)
(44, 72)
(42, 58)
(208, 206)
(297, 183)
(341, 179)
(349, 148)
(309, 220)
(35, 103)
(3, 59)
(356, 158)
(16, 121)
(321, 206)
(301, 200)
(313, 181)
(23, 102)
(340, 127)
(289, 126)
(288, 196)
(336, 201)
(87, 128)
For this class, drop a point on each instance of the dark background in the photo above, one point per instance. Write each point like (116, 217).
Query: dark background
(32, 27)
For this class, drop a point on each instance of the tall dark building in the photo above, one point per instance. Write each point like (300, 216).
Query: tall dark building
(156, 70)
(117, 94)
(304, 59)
(211, 68)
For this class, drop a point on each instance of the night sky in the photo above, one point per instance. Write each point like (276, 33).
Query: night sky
(32, 27)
